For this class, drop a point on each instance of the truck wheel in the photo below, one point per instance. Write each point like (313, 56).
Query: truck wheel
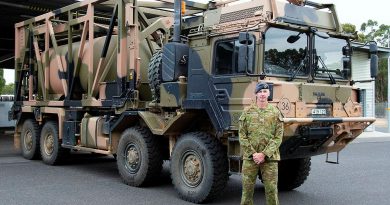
(139, 159)
(51, 150)
(293, 173)
(154, 74)
(199, 167)
(30, 139)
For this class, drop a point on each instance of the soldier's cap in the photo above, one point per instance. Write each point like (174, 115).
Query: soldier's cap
(260, 86)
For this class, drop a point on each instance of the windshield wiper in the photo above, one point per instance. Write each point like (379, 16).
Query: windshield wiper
(332, 80)
(301, 65)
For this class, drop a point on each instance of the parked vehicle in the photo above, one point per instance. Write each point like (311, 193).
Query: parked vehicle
(149, 81)
(6, 102)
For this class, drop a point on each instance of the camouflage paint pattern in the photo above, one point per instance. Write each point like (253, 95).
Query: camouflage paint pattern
(61, 71)
(269, 174)
(53, 61)
(63, 37)
(261, 131)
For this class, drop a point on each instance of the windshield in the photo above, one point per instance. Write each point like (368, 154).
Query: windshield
(330, 52)
(282, 57)
(286, 54)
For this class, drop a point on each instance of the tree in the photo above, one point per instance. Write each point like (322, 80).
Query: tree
(8, 89)
(369, 29)
(381, 81)
(2, 80)
(383, 35)
(349, 28)
(372, 31)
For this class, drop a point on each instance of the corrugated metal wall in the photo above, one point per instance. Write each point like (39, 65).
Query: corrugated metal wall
(361, 71)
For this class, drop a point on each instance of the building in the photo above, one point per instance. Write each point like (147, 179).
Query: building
(361, 72)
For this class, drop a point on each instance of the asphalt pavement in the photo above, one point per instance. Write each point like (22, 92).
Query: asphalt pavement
(362, 177)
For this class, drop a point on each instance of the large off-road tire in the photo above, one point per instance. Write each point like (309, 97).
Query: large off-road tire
(154, 74)
(199, 167)
(51, 151)
(293, 173)
(30, 139)
(139, 159)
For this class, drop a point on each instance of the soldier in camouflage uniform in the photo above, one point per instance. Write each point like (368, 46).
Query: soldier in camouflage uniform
(261, 132)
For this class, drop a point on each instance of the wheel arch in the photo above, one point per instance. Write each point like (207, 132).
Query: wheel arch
(189, 121)
(23, 117)
(126, 120)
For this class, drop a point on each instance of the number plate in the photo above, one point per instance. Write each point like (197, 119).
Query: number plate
(318, 111)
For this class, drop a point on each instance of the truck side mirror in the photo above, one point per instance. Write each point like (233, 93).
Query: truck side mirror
(293, 38)
(347, 51)
(347, 65)
(374, 65)
(242, 58)
(374, 59)
(245, 52)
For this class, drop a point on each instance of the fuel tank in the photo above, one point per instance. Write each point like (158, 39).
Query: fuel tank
(55, 74)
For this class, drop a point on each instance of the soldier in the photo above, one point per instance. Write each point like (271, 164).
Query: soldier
(260, 132)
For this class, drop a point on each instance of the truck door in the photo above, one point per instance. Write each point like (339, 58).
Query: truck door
(229, 84)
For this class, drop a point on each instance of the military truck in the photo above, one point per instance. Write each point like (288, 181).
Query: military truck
(148, 81)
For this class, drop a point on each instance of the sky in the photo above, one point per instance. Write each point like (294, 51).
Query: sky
(349, 11)
(358, 12)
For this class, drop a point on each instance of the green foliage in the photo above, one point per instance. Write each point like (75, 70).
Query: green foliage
(369, 25)
(2, 80)
(372, 31)
(8, 89)
(381, 81)
(382, 35)
(348, 28)
(362, 38)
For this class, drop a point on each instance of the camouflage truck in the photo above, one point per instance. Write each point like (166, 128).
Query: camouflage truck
(148, 81)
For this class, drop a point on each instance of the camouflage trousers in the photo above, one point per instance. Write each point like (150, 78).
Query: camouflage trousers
(269, 174)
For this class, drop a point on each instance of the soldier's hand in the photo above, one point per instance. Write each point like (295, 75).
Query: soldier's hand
(258, 158)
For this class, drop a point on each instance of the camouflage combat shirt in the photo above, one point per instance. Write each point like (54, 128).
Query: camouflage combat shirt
(261, 130)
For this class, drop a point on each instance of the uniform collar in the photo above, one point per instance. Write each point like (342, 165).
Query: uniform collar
(254, 106)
